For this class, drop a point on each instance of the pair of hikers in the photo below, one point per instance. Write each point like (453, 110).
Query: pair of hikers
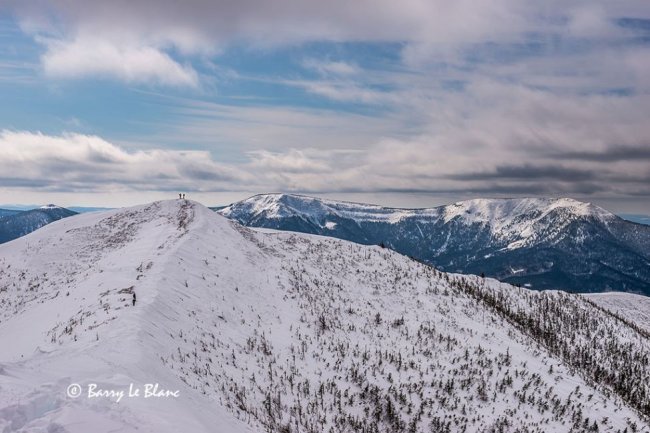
(181, 196)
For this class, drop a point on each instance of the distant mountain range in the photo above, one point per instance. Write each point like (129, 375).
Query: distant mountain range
(16, 223)
(637, 218)
(543, 243)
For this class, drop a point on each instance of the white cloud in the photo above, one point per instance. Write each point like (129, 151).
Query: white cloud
(97, 57)
(331, 67)
(292, 161)
(72, 162)
(590, 21)
(347, 92)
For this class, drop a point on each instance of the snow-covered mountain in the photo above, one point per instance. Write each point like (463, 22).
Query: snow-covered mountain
(539, 242)
(19, 223)
(284, 332)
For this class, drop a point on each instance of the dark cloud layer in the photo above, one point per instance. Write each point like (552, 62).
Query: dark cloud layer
(531, 172)
(611, 154)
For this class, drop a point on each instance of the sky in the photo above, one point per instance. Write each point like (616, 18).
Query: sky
(413, 103)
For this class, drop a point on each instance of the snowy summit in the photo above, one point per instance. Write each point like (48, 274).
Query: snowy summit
(50, 206)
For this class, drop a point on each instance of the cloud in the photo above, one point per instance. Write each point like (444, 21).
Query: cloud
(121, 38)
(492, 138)
(331, 67)
(613, 153)
(15, 72)
(86, 163)
(347, 92)
(243, 129)
(193, 24)
(142, 40)
(97, 57)
(531, 173)
(76, 162)
(590, 21)
(504, 139)
(293, 161)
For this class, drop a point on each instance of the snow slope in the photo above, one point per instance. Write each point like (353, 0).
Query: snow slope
(285, 332)
(63, 320)
(635, 308)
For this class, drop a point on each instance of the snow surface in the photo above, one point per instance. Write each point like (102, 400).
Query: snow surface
(635, 308)
(258, 329)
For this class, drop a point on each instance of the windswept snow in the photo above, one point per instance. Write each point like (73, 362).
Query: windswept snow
(264, 331)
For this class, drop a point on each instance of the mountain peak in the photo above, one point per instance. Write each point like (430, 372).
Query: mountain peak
(500, 213)
(51, 206)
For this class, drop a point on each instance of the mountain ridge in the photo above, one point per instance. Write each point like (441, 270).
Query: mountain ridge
(265, 201)
(491, 236)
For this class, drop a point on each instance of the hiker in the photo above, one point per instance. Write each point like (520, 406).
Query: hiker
(179, 195)
(134, 299)
(183, 196)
